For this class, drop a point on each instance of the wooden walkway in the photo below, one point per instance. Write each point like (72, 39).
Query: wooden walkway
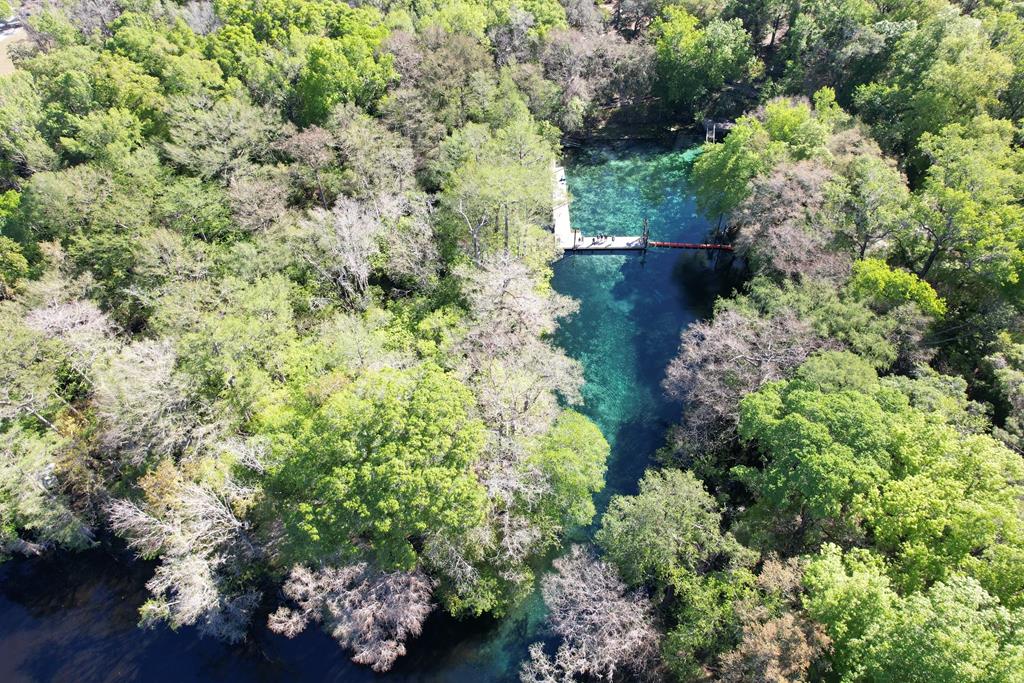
(570, 239)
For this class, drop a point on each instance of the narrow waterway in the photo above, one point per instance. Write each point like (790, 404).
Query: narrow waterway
(72, 617)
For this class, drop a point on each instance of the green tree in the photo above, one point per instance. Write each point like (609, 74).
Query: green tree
(669, 537)
(496, 180)
(106, 136)
(375, 466)
(75, 81)
(13, 265)
(849, 460)
(340, 70)
(671, 526)
(868, 205)
(942, 72)
(23, 149)
(886, 287)
(722, 174)
(953, 632)
(572, 457)
(798, 127)
(828, 43)
(968, 224)
(34, 512)
(694, 63)
(237, 343)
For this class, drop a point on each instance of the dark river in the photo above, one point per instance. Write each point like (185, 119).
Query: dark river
(72, 617)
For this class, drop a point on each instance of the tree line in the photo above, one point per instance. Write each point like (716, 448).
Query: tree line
(274, 285)
(275, 294)
(841, 500)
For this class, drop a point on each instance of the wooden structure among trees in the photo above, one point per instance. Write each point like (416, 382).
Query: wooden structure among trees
(712, 128)
(570, 239)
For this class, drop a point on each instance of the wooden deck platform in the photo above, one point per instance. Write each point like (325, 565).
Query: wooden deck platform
(609, 243)
(570, 239)
(564, 233)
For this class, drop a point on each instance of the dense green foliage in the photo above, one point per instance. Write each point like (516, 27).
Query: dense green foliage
(249, 262)
(386, 459)
(274, 290)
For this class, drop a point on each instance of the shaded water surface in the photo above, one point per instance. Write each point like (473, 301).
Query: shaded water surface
(72, 617)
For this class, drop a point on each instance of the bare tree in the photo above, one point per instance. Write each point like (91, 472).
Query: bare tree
(514, 372)
(94, 16)
(340, 245)
(83, 329)
(314, 152)
(203, 547)
(721, 361)
(143, 405)
(776, 647)
(507, 306)
(200, 16)
(408, 56)
(454, 558)
(512, 39)
(778, 224)
(367, 611)
(517, 377)
(605, 629)
(596, 69)
(378, 161)
(258, 197)
(50, 326)
(779, 650)
(214, 138)
(410, 251)
(582, 14)
(518, 393)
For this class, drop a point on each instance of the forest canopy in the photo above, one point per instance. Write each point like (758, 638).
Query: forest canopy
(275, 289)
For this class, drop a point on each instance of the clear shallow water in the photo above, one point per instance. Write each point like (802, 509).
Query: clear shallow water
(72, 617)
(632, 306)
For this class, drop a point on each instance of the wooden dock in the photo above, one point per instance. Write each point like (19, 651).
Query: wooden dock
(560, 218)
(608, 243)
(570, 239)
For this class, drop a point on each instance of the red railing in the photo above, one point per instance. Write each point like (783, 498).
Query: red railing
(690, 245)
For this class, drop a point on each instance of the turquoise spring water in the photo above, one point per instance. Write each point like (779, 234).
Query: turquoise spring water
(72, 617)
(633, 307)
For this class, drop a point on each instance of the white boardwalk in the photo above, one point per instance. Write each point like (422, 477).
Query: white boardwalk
(573, 240)
(610, 243)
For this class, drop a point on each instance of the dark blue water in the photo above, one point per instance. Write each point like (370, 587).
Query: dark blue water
(72, 617)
